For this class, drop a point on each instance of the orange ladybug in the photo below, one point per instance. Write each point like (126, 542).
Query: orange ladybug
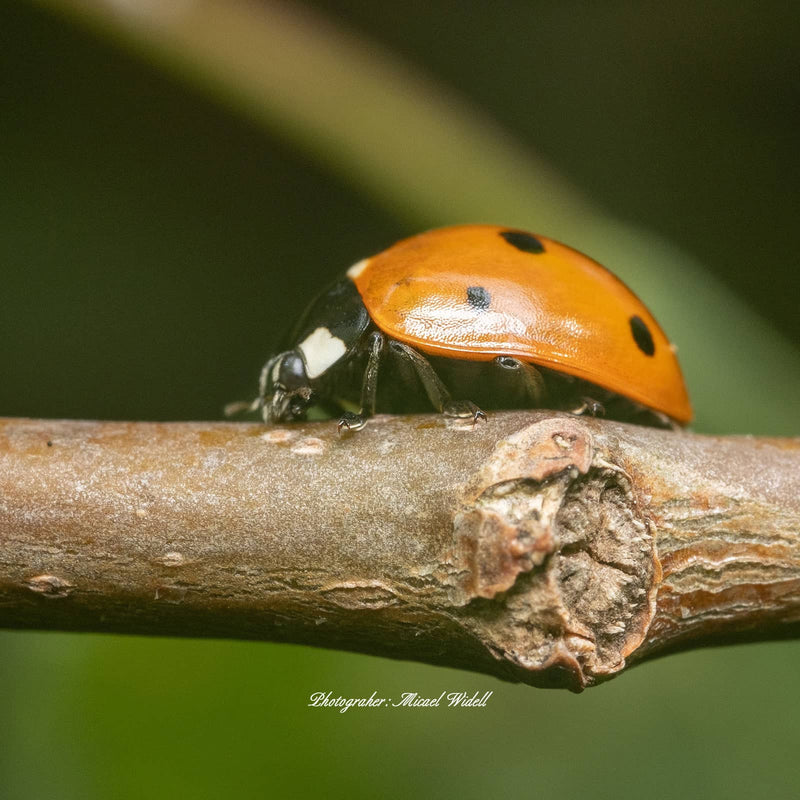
(496, 316)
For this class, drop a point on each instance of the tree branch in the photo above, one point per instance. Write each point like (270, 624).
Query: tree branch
(537, 547)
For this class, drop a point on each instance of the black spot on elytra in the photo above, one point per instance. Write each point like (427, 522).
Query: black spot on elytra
(526, 242)
(478, 297)
(642, 336)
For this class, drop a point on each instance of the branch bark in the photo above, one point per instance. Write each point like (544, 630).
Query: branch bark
(536, 547)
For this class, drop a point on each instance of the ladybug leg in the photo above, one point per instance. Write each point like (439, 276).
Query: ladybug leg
(590, 406)
(665, 421)
(369, 387)
(434, 388)
(668, 422)
(463, 409)
(530, 376)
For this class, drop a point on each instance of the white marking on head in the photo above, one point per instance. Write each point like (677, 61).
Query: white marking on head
(321, 350)
(357, 269)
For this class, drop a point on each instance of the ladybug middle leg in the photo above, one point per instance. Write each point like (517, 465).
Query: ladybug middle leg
(436, 390)
(531, 378)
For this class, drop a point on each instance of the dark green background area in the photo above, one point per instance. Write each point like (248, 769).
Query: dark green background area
(152, 248)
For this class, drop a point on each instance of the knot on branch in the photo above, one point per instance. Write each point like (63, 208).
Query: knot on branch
(559, 568)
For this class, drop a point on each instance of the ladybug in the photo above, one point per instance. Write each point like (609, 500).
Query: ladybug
(494, 316)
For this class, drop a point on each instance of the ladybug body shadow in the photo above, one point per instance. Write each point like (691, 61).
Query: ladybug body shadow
(494, 317)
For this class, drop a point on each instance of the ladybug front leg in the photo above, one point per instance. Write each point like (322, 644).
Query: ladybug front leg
(434, 388)
(369, 386)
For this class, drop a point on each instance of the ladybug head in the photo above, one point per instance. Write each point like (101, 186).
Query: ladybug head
(285, 388)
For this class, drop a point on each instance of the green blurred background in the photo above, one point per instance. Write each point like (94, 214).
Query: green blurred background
(175, 181)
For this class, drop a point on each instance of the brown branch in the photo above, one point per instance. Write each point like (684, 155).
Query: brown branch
(536, 547)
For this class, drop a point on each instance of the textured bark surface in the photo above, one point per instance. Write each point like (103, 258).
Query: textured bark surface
(537, 547)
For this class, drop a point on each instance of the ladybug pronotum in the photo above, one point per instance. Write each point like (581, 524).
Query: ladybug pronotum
(495, 317)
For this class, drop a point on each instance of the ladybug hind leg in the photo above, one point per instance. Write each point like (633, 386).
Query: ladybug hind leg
(589, 406)
(436, 390)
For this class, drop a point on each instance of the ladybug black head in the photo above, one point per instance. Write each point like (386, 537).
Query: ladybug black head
(286, 390)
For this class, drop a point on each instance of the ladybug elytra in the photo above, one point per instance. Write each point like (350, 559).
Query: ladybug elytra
(494, 316)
